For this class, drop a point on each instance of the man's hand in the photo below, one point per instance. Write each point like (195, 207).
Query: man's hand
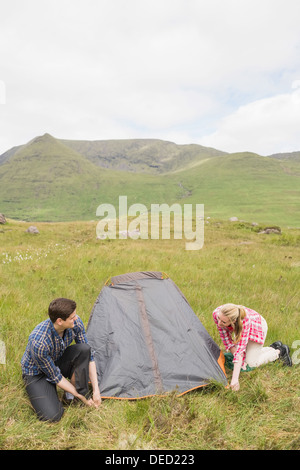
(94, 382)
(87, 402)
(97, 398)
(95, 401)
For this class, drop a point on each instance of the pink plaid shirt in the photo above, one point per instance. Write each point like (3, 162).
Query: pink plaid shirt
(252, 331)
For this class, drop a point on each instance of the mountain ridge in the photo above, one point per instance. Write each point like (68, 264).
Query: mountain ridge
(51, 179)
(143, 155)
(134, 155)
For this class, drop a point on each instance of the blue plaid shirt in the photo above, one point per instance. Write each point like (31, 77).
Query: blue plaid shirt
(45, 347)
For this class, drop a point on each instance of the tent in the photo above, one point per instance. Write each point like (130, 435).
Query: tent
(148, 341)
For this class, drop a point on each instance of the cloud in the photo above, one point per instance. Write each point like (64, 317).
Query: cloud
(265, 126)
(128, 69)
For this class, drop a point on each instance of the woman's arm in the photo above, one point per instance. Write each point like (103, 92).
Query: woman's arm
(235, 375)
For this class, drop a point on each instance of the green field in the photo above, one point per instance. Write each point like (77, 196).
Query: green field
(53, 180)
(236, 264)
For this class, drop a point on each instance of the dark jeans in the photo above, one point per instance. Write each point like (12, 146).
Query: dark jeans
(43, 394)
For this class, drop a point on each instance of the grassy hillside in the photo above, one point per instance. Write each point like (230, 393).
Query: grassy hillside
(248, 186)
(48, 181)
(54, 180)
(236, 264)
(152, 156)
(142, 155)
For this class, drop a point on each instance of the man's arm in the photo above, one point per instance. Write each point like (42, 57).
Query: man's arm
(67, 386)
(41, 357)
(94, 382)
(81, 338)
(81, 334)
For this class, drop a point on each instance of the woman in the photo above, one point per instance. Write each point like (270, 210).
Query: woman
(250, 331)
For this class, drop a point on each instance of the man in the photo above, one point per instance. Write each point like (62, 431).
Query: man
(49, 358)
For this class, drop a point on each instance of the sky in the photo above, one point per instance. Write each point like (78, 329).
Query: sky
(219, 73)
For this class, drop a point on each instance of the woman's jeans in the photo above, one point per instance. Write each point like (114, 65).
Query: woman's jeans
(257, 354)
(43, 394)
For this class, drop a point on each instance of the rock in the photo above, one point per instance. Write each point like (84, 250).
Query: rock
(254, 224)
(131, 234)
(233, 219)
(2, 219)
(271, 230)
(32, 229)
(101, 237)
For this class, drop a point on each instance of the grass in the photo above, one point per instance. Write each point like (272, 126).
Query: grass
(50, 181)
(236, 264)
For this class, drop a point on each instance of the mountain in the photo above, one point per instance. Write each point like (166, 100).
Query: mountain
(47, 180)
(251, 187)
(135, 155)
(142, 155)
(51, 179)
(286, 156)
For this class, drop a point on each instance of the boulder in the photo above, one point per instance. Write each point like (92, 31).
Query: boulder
(32, 229)
(2, 219)
(233, 219)
(131, 234)
(271, 230)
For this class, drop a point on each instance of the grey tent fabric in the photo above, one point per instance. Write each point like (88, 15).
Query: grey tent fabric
(148, 341)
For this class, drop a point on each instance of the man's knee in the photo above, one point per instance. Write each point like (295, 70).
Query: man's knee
(84, 349)
(52, 416)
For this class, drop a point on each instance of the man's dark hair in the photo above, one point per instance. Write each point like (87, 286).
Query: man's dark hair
(61, 308)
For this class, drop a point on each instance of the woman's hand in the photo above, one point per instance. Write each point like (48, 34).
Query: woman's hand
(235, 386)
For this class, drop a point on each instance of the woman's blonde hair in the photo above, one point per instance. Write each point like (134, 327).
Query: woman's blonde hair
(236, 315)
